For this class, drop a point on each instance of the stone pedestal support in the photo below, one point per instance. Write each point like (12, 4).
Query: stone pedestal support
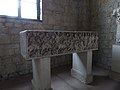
(81, 70)
(82, 66)
(115, 65)
(41, 74)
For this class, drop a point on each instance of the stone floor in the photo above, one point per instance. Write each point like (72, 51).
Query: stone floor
(62, 80)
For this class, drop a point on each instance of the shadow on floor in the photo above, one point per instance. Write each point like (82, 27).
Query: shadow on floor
(62, 80)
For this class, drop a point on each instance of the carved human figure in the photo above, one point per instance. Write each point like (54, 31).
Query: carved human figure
(116, 14)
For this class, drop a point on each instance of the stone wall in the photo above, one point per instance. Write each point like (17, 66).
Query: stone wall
(57, 15)
(105, 24)
(84, 15)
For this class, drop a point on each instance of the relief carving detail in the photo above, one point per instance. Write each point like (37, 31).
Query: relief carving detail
(50, 43)
(116, 14)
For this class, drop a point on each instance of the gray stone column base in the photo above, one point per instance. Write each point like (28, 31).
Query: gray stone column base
(34, 86)
(78, 75)
(82, 67)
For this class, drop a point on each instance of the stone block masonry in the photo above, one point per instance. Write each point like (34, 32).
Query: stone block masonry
(103, 22)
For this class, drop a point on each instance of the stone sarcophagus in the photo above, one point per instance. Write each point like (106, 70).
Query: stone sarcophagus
(40, 45)
(46, 43)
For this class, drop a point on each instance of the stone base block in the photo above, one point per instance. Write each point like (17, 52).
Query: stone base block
(35, 87)
(78, 75)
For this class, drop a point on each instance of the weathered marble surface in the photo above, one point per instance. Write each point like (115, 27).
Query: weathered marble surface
(44, 43)
(116, 14)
